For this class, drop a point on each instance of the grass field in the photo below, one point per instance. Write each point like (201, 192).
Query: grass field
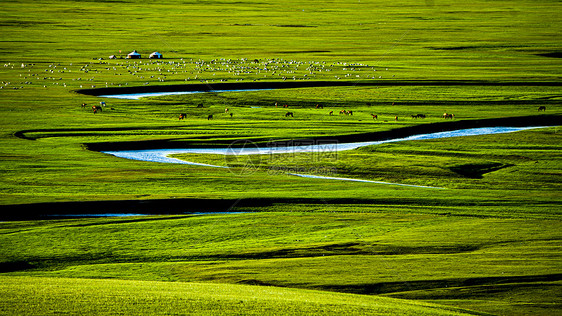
(103, 297)
(488, 243)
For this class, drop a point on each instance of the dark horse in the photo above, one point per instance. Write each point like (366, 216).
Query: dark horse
(210, 117)
(289, 114)
(182, 116)
(542, 108)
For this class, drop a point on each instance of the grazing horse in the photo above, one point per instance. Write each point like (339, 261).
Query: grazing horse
(182, 116)
(319, 106)
(289, 114)
(349, 113)
(331, 112)
(448, 116)
(542, 108)
(210, 117)
(84, 105)
(343, 112)
(375, 117)
(96, 108)
(231, 114)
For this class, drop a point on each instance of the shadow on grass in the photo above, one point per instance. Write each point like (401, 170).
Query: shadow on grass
(477, 171)
(405, 286)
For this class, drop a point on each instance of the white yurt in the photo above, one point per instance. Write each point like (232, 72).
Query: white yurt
(155, 55)
(134, 55)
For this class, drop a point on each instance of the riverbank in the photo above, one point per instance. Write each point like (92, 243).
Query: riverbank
(270, 85)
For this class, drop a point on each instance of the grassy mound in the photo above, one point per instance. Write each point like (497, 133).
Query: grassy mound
(27, 296)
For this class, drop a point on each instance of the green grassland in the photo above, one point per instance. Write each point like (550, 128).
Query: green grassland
(445, 259)
(111, 297)
(486, 241)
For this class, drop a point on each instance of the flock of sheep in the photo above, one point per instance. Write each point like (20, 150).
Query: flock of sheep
(115, 73)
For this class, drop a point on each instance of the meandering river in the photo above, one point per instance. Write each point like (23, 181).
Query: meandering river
(136, 96)
(163, 155)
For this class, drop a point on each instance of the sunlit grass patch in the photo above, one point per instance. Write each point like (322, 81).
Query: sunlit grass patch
(46, 296)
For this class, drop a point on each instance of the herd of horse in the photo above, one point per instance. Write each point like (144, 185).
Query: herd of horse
(99, 108)
(291, 114)
(346, 112)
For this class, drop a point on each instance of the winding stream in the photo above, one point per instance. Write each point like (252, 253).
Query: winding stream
(162, 155)
(136, 96)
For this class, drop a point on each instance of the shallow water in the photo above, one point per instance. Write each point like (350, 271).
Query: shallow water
(136, 96)
(161, 155)
(97, 215)
(360, 180)
(138, 214)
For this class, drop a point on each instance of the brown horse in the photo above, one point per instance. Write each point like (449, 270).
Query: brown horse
(448, 116)
(375, 117)
(182, 116)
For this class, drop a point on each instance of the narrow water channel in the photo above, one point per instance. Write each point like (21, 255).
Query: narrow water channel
(162, 155)
(136, 96)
